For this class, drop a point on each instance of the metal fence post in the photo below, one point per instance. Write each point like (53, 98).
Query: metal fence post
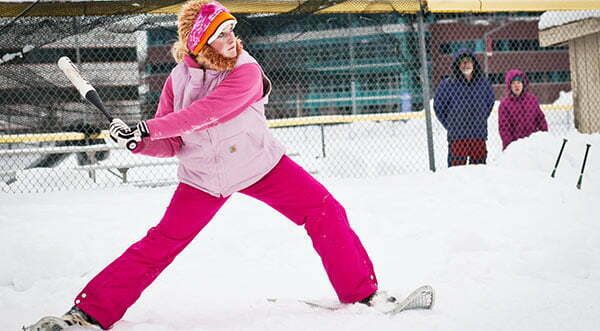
(425, 85)
(352, 69)
(323, 140)
(353, 95)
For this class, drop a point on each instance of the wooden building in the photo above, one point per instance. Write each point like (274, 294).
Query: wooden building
(582, 34)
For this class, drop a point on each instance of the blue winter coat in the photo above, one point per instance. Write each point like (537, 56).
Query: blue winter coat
(462, 106)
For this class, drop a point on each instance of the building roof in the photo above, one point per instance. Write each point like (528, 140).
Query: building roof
(560, 27)
(552, 19)
(13, 8)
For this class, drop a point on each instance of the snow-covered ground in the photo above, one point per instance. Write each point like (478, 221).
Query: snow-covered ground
(505, 246)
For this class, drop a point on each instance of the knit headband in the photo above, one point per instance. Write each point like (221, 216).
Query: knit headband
(209, 21)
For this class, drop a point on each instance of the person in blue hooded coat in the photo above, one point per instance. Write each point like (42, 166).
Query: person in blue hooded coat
(463, 102)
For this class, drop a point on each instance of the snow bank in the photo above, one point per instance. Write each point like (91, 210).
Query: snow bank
(506, 247)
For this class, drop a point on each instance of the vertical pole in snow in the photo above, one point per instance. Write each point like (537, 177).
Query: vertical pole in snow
(558, 158)
(425, 85)
(323, 140)
(587, 149)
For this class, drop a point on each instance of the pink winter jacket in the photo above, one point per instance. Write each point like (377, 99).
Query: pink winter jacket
(519, 116)
(214, 122)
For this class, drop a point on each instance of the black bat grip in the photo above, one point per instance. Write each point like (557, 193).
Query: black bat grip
(587, 149)
(558, 158)
(560, 153)
(93, 97)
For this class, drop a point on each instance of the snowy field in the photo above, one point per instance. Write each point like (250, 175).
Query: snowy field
(505, 246)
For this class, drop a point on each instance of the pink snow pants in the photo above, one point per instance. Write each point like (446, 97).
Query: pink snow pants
(287, 188)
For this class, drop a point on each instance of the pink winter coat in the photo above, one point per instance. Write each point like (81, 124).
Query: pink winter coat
(214, 122)
(519, 116)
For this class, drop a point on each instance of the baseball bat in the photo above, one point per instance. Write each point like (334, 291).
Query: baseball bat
(86, 90)
(558, 158)
(587, 149)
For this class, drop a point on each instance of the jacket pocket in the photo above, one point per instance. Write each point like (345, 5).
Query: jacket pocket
(240, 148)
(243, 157)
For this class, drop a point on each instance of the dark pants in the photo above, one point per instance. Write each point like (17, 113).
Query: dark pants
(461, 150)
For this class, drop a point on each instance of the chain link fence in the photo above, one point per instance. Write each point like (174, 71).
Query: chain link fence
(353, 93)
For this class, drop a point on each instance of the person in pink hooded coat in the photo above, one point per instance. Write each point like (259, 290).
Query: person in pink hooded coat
(519, 114)
(211, 117)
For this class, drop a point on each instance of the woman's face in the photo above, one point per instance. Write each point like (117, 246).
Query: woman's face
(466, 66)
(516, 86)
(226, 43)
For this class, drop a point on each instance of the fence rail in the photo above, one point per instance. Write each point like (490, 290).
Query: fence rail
(274, 123)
